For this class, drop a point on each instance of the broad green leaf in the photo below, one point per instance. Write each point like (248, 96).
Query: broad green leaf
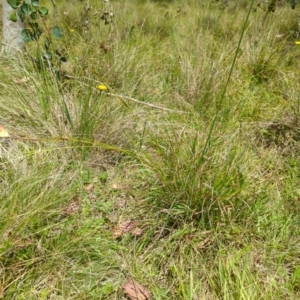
(35, 2)
(26, 35)
(26, 9)
(43, 11)
(13, 16)
(13, 3)
(28, 2)
(56, 32)
(21, 15)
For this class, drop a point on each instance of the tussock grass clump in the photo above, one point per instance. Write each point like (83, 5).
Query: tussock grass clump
(198, 184)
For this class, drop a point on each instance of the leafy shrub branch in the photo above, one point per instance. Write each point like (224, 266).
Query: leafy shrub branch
(33, 15)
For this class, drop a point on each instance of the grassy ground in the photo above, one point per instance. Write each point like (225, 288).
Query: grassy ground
(210, 175)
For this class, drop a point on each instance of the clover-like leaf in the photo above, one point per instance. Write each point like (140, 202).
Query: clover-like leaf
(43, 11)
(26, 9)
(35, 2)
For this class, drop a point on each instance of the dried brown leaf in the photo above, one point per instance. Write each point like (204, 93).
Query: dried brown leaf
(135, 291)
(136, 232)
(118, 186)
(89, 188)
(3, 132)
(72, 208)
(21, 244)
(123, 227)
(204, 243)
(115, 186)
(21, 80)
(106, 48)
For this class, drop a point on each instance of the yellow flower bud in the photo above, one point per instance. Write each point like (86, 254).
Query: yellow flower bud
(102, 87)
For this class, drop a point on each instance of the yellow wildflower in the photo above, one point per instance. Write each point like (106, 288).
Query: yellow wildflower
(102, 87)
(297, 42)
(72, 29)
